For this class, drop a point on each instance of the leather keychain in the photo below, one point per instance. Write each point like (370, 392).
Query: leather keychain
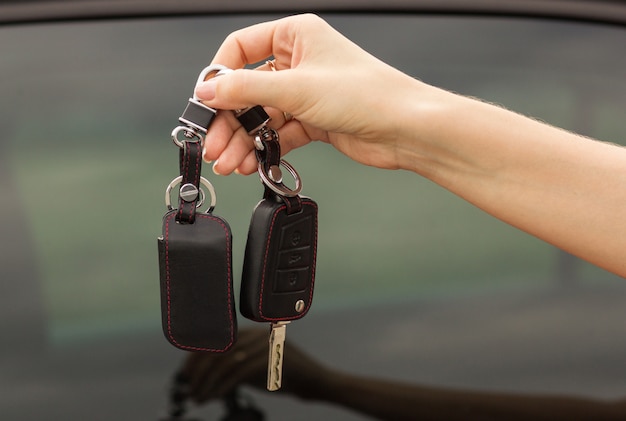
(281, 248)
(195, 248)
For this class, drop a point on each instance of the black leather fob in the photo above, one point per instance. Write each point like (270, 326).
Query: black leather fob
(197, 301)
(279, 263)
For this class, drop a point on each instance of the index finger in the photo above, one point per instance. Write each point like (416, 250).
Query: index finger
(252, 44)
(283, 38)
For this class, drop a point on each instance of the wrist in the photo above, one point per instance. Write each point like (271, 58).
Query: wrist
(442, 132)
(421, 115)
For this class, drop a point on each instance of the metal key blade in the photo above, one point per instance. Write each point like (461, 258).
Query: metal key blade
(278, 332)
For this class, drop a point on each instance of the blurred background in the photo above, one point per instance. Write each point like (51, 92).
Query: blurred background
(412, 282)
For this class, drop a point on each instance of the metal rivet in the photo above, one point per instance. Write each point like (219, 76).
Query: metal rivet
(275, 174)
(300, 306)
(188, 192)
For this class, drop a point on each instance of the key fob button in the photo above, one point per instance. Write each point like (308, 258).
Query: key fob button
(294, 280)
(294, 258)
(296, 234)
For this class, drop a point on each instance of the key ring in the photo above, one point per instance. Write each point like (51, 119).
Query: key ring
(254, 120)
(270, 172)
(203, 181)
(274, 179)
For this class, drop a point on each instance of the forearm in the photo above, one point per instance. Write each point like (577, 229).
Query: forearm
(560, 187)
(397, 401)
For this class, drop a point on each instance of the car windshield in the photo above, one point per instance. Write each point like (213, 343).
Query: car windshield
(412, 283)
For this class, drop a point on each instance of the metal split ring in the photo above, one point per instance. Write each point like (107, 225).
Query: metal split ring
(273, 179)
(203, 181)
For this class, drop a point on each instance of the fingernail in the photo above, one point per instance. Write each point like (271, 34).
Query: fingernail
(208, 161)
(237, 171)
(206, 90)
(214, 169)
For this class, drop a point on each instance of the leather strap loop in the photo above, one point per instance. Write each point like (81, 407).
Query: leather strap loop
(268, 157)
(190, 169)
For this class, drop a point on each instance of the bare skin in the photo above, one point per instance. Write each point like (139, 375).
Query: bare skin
(561, 187)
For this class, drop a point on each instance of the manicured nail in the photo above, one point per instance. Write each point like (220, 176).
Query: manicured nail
(214, 169)
(208, 161)
(206, 90)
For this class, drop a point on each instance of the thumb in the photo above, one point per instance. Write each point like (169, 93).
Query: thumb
(244, 88)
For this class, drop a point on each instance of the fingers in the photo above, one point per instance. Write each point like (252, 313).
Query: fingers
(231, 149)
(227, 145)
(249, 45)
(288, 40)
(239, 155)
(241, 88)
(218, 137)
(278, 38)
(244, 88)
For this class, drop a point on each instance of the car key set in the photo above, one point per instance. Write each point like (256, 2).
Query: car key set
(195, 249)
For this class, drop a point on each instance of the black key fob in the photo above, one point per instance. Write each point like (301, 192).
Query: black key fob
(279, 263)
(197, 300)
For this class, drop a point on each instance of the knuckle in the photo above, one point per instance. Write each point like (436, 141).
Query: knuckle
(232, 88)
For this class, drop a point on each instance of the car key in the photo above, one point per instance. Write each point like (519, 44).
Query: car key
(279, 264)
(278, 332)
(195, 248)
(279, 272)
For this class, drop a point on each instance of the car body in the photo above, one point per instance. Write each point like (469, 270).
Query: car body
(412, 283)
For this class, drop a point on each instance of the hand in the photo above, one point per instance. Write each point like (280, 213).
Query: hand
(337, 93)
(213, 376)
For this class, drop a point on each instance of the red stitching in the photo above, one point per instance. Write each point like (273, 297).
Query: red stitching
(269, 236)
(167, 282)
(195, 181)
(167, 272)
(273, 319)
(198, 162)
(185, 174)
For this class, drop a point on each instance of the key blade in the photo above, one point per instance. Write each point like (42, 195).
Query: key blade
(278, 333)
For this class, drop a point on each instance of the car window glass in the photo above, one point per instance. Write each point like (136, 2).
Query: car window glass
(412, 282)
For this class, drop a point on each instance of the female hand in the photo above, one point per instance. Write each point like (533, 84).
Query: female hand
(336, 92)
(543, 180)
